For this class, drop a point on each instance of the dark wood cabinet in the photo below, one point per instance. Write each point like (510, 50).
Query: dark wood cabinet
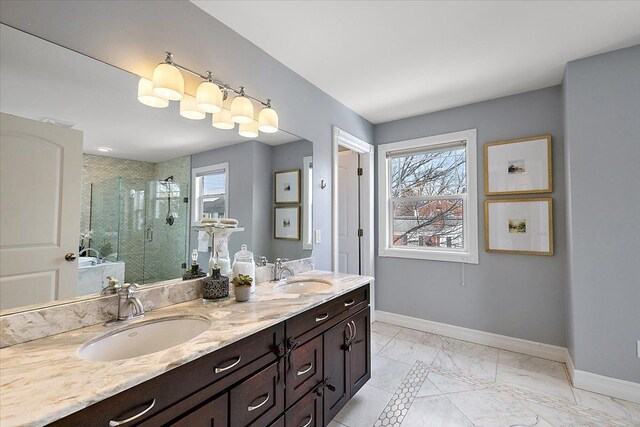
(298, 373)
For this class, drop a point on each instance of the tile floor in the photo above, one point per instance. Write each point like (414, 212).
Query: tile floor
(422, 379)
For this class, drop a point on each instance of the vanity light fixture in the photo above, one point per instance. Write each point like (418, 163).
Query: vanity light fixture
(168, 85)
(222, 120)
(249, 130)
(190, 109)
(147, 96)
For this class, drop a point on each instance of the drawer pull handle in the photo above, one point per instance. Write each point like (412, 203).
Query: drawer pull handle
(308, 423)
(218, 370)
(349, 303)
(304, 371)
(253, 408)
(322, 317)
(116, 423)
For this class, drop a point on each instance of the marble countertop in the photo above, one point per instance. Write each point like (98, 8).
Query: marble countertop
(44, 380)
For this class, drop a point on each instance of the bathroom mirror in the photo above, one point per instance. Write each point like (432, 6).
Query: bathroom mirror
(149, 176)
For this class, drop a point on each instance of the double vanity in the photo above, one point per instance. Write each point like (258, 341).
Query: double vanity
(292, 356)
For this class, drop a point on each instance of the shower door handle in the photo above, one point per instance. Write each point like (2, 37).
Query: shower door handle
(149, 234)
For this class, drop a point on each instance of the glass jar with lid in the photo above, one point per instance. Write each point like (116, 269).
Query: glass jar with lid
(243, 264)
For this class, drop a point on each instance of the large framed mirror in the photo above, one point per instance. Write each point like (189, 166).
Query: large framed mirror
(147, 178)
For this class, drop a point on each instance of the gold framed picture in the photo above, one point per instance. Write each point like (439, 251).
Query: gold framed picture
(286, 186)
(519, 226)
(286, 223)
(518, 166)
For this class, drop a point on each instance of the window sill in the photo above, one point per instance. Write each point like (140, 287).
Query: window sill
(431, 255)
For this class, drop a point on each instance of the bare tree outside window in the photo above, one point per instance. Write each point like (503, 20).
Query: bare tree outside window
(427, 192)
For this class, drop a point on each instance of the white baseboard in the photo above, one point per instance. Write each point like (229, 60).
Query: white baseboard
(613, 387)
(532, 348)
(580, 379)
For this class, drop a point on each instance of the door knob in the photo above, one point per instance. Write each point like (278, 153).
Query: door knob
(70, 257)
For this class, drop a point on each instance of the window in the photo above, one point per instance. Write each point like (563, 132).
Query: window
(210, 186)
(428, 198)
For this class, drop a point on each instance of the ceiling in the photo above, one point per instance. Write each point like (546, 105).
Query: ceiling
(388, 60)
(101, 101)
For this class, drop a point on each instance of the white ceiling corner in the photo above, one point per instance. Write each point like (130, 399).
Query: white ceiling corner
(388, 60)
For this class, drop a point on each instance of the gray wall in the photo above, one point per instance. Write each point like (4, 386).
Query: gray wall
(516, 295)
(289, 156)
(133, 35)
(602, 119)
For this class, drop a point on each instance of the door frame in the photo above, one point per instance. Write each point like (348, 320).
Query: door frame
(344, 139)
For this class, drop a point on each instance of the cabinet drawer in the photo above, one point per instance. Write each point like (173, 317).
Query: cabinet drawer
(258, 400)
(211, 414)
(304, 370)
(325, 313)
(306, 413)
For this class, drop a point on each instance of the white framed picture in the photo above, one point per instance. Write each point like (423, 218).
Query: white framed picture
(519, 226)
(286, 186)
(286, 223)
(518, 166)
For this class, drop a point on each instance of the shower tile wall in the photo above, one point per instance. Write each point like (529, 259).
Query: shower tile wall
(134, 186)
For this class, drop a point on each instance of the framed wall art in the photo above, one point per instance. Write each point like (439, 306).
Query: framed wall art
(286, 223)
(286, 186)
(518, 166)
(519, 226)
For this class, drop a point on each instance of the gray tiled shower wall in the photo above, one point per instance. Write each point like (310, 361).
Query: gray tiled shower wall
(125, 206)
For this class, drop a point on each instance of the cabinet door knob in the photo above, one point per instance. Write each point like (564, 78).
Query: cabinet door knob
(349, 303)
(218, 370)
(308, 423)
(70, 257)
(304, 371)
(322, 317)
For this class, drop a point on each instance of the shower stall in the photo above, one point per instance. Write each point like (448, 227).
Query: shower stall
(143, 224)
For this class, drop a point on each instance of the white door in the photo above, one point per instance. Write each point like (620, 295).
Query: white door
(40, 173)
(348, 213)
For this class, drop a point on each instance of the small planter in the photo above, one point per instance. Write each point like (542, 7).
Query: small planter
(243, 293)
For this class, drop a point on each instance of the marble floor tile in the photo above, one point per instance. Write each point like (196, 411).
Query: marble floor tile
(387, 374)
(385, 328)
(364, 408)
(420, 337)
(532, 364)
(470, 349)
(378, 341)
(435, 411)
(491, 408)
(450, 385)
(552, 386)
(409, 352)
(428, 389)
(479, 368)
(616, 407)
(560, 418)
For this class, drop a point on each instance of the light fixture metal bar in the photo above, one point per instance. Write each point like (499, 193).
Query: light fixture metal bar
(221, 85)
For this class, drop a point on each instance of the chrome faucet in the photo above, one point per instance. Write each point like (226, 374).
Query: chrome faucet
(129, 306)
(281, 268)
(86, 250)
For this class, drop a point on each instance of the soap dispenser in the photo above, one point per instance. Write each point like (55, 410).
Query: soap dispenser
(243, 264)
(216, 286)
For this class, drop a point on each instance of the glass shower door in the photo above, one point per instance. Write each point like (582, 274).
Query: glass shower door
(165, 236)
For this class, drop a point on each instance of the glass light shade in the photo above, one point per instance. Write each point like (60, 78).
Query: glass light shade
(222, 120)
(249, 130)
(168, 82)
(148, 97)
(209, 97)
(241, 110)
(268, 120)
(189, 108)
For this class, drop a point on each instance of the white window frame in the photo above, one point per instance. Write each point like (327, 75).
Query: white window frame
(196, 194)
(469, 254)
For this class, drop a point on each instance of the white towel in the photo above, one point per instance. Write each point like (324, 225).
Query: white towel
(204, 241)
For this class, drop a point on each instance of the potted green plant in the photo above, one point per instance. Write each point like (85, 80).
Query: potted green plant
(242, 287)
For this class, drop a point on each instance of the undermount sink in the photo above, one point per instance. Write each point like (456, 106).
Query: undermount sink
(144, 338)
(303, 287)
